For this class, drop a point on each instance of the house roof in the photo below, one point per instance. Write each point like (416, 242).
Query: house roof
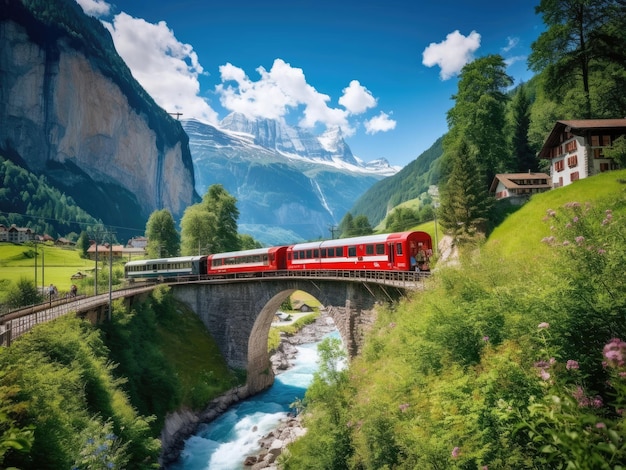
(509, 180)
(577, 127)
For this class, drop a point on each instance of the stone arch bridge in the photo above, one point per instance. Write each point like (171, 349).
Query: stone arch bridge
(238, 314)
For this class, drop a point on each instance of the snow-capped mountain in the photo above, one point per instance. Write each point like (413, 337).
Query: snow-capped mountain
(290, 185)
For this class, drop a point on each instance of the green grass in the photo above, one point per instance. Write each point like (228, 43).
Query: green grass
(17, 261)
(522, 231)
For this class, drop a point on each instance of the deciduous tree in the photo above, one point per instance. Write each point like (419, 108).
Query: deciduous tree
(163, 239)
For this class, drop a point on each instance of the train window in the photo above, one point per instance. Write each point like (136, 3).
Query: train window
(380, 249)
(309, 254)
(339, 251)
(316, 253)
(323, 252)
(369, 249)
(352, 250)
(330, 252)
(399, 248)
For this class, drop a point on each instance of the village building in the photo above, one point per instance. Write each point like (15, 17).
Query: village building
(575, 148)
(518, 187)
(15, 234)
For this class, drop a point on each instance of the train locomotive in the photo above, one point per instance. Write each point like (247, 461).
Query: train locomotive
(400, 251)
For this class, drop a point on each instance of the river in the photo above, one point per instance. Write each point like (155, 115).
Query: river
(224, 443)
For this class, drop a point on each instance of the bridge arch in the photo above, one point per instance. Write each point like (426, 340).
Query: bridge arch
(239, 315)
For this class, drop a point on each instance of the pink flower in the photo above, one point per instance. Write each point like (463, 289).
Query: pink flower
(485, 338)
(614, 351)
(600, 425)
(543, 325)
(545, 375)
(580, 240)
(403, 407)
(571, 364)
(456, 452)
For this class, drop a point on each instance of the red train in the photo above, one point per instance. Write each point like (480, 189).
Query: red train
(402, 251)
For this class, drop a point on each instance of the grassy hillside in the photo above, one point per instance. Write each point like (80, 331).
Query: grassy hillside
(512, 360)
(524, 228)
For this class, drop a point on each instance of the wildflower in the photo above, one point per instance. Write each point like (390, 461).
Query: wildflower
(485, 338)
(541, 365)
(600, 425)
(571, 364)
(403, 407)
(580, 240)
(551, 213)
(601, 251)
(579, 395)
(455, 452)
(597, 402)
(543, 325)
(565, 243)
(392, 325)
(545, 375)
(568, 225)
(575, 219)
(614, 352)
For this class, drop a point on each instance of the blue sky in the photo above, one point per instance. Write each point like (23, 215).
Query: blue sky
(384, 71)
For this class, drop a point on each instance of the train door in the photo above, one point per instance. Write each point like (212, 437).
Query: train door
(391, 252)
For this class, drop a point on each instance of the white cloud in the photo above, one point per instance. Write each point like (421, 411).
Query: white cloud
(380, 123)
(356, 98)
(165, 67)
(95, 7)
(169, 72)
(278, 91)
(511, 43)
(517, 58)
(452, 54)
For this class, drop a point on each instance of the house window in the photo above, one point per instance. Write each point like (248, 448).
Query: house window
(570, 146)
(595, 140)
(559, 166)
(574, 176)
(572, 161)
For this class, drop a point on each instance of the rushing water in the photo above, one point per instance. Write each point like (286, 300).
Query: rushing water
(224, 443)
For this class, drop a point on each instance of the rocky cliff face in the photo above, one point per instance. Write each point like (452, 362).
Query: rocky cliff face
(61, 116)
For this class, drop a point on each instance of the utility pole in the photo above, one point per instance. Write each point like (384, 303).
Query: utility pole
(333, 229)
(176, 114)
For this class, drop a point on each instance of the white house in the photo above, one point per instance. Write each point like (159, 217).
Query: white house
(518, 187)
(576, 148)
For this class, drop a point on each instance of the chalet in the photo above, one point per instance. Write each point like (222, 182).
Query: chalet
(4, 233)
(19, 234)
(576, 148)
(116, 251)
(518, 187)
(137, 242)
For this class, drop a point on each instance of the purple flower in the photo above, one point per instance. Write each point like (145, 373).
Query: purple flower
(565, 243)
(575, 219)
(543, 325)
(544, 374)
(614, 351)
(455, 452)
(580, 239)
(485, 338)
(571, 364)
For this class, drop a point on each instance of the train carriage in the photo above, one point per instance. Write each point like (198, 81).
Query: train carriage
(166, 268)
(388, 252)
(248, 261)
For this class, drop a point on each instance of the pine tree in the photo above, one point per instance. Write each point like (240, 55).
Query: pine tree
(523, 156)
(465, 202)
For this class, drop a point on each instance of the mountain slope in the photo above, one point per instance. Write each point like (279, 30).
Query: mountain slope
(413, 180)
(282, 197)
